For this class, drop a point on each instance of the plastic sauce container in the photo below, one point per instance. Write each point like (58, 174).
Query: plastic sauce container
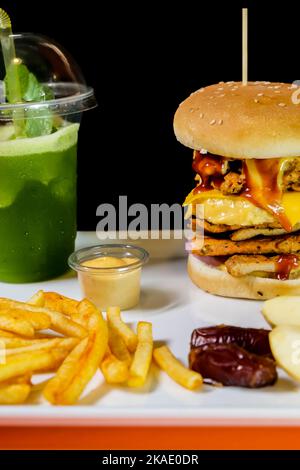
(110, 275)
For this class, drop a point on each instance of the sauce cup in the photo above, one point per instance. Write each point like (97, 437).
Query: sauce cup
(110, 275)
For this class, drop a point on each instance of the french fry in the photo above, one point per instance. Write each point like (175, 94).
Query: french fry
(98, 341)
(39, 321)
(59, 322)
(114, 370)
(82, 312)
(60, 303)
(19, 342)
(118, 347)
(43, 344)
(81, 364)
(8, 334)
(142, 357)
(16, 390)
(116, 323)
(20, 364)
(66, 373)
(65, 326)
(21, 379)
(14, 394)
(37, 299)
(180, 374)
(14, 324)
(38, 335)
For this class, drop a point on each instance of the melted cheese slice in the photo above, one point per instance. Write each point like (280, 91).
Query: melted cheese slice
(235, 210)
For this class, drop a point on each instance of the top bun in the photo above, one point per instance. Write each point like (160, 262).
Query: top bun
(258, 120)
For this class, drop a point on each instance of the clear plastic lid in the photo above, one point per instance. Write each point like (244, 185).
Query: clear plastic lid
(53, 67)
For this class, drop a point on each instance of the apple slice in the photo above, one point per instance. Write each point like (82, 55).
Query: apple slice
(284, 310)
(285, 346)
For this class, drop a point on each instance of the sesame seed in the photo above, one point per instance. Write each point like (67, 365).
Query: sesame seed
(276, 87)
(220, 121)
(201, 90)
(221, 88)
(191, 110)
(221, 83)
(267, 83)
(203, 151)
(281, 104)
(277, 91)
(256, 100)
(201, 115)
(221, 96)
(228, 83)
(260, 94)
(212, 122)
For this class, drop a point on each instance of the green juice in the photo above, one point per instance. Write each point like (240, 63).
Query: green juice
(37, 204)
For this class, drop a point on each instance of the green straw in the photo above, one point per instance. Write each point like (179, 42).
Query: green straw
(11, 64)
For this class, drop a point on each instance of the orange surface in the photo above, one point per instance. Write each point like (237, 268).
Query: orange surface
(150, 438)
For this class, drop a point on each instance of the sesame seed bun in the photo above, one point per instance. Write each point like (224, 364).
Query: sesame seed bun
(258, 120)
(220, 282)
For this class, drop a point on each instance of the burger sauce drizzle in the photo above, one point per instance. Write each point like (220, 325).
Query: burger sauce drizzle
(284, 265)
(263, 189)
(209, 168)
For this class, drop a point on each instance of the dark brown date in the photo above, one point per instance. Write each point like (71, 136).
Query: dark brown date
(230, 364)
(254, 340)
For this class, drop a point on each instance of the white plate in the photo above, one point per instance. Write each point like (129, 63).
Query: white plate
(176, 307)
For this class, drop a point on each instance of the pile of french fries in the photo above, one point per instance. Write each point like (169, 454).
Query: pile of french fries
(53, 333)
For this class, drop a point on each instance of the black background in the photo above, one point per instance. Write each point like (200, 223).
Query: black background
(143, 58)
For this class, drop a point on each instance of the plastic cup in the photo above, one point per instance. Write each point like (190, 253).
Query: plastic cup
(38, 173)
(116, 284)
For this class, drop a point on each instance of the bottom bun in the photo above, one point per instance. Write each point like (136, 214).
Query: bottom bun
(218, 282)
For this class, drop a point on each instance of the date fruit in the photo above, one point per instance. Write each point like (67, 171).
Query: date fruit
(230, 364)
(254, 340)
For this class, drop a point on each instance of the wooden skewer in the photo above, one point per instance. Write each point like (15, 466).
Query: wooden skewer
(245, 46)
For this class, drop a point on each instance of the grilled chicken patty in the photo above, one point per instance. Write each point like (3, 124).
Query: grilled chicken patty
(252, 250)
(242, 265)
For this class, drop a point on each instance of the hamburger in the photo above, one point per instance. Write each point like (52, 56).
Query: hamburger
(246, 156)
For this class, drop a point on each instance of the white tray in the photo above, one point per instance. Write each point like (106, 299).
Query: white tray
(176, 307)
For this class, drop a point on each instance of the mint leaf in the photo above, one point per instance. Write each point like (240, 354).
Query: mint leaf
(38, 121)
(36, 91)
(32, 92)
